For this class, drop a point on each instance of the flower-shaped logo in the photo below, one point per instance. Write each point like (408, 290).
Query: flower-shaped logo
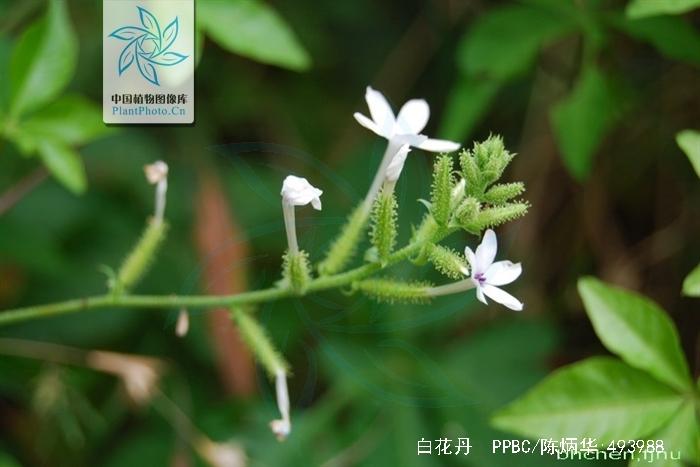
(148, 45)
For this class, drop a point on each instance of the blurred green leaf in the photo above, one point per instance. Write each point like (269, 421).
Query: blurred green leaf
(504, 42)
(468, 101)
(253, 29)
(5, 51)
(43, 60)
(582, 119)
(691, 284)
(689, 142)
(601, 397)
(643, 8)
(673, 37)
(7, 461)
(636, 329)
(72, 120)
(681, 437)
(64, 164)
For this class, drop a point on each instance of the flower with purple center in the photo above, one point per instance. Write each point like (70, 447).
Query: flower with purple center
(487, 275)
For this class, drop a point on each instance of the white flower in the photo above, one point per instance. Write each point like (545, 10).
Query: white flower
(157, 174)
(487, 275)
(393, 170)
(282, 427)
(297, 191)
(404, 128)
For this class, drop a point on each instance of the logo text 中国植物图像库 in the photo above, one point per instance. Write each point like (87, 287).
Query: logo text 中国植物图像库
(148, 64)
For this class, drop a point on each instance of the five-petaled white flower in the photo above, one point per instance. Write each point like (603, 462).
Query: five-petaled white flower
(406, 127)
(297, 191)
(487, 275)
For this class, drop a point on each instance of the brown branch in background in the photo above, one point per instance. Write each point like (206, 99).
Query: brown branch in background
(222, 250)
(19, 190)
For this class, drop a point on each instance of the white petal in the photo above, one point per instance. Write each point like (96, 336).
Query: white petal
(395, 167)
(413, 117)
(486, 251)
(298, 191)
(502, 297)
(412, 140)
(380, 110)
(480, 295)
(439, 145)
(366, 122)
(316, 203)
(471, 258)
(502, 272)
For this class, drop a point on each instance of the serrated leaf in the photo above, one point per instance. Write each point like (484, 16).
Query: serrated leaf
(643, 8)
(582, 120)
(636, 329)
(681, 438)
(43, 60)
(689, 142)
(691, 284)
(73, 120)
(504, 42)
(672, 36)
(64, 164)
(252, 29)
(601, 397)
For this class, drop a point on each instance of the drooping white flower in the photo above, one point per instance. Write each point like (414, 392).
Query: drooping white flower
(282, 427)
(393, 170)
(140, 375)
(221, 454)
(406, 127)
(297, 191)
(487, 275)
(157, 174)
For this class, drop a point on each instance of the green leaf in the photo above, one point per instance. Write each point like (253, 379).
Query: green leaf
(73, 120)
(583, 118)
(600, 397)
(636, 329)
(691, 284)
(64, 164)
(469, 99)
(642, 8)
(680, 436)
(689, 142)
(253, 29)
(673, 37)
(43, 60)
(504, 42)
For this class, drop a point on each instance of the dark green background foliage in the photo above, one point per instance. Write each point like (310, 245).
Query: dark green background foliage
(590, 98)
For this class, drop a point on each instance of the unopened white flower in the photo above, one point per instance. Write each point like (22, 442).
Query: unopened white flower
(487, 275)
(406, 127)
(157, 174)
(183, 323)
(297, 191)
(393, 170)
(283, 426)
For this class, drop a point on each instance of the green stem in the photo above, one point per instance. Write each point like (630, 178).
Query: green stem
(204, 301)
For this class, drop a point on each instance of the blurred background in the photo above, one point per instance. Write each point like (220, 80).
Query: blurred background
(591, 100)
